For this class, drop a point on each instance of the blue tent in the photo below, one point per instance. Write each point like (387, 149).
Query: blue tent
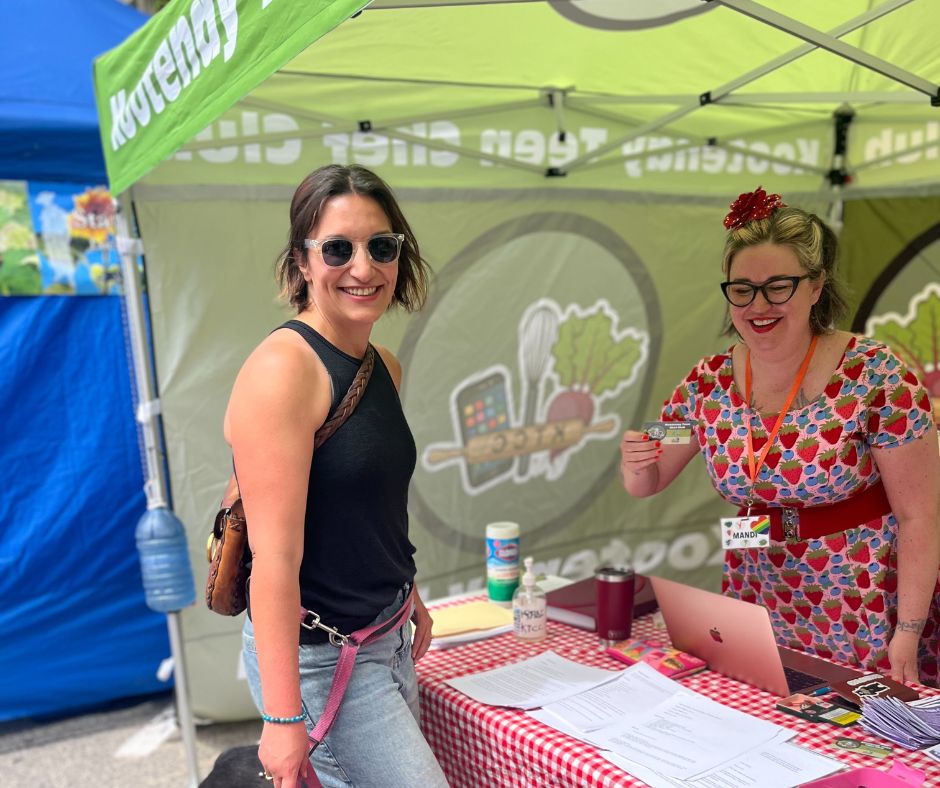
(76, 630)
(48, 119)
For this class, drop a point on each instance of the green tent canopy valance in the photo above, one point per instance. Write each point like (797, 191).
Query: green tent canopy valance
(681, 97)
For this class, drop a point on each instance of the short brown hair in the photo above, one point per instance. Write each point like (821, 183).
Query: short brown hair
(815, 246)
(311, 195)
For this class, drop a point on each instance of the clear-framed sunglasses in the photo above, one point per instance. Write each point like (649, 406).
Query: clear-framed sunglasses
(337, 252)
(776, 290)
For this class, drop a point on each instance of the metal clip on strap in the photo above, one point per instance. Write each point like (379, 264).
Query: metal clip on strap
(336, 637)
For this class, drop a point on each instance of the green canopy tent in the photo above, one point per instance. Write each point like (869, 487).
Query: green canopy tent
(566, 166)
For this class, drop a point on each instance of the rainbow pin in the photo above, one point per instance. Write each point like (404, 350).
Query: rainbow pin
(762, 524)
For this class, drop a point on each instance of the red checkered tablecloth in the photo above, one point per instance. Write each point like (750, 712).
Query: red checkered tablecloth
(480, 745)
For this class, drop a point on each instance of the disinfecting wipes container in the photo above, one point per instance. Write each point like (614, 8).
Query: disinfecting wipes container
(502, 561)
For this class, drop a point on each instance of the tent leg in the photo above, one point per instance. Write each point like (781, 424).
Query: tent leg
(183, 712)
(155, 485)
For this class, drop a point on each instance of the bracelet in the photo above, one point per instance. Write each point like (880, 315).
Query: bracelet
(283, 720)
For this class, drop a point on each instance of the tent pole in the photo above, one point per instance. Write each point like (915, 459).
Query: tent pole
(148, 407)
(717, 94)
(838, 174)
(833, 45)
(155, 487)
(183, 710)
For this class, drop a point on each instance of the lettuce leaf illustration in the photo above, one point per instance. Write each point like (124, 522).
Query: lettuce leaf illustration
(588, 357)
(918, 341)
(20, 279)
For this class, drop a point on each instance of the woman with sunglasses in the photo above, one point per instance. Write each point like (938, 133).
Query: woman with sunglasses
(826, 435)
(329, 527)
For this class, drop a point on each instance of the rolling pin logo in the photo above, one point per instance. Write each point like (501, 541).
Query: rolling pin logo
(571, 361)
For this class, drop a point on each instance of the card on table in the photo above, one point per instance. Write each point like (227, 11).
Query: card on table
(672, 432)
(862, 748)
(873, 685)
(815, 710)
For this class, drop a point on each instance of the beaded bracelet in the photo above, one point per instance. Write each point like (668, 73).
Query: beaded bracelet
(283, 720)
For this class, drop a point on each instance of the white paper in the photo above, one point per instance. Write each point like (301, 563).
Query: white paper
(553, 721)
(687, 735)
(635, 690)
(777, 764)
(450, 641)
(532, 682)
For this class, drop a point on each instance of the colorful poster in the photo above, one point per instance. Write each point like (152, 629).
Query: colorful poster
(74, 229)
(57, 239)
(19, 262)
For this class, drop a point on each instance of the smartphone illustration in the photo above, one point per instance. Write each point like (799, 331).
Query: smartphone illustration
(482, 409)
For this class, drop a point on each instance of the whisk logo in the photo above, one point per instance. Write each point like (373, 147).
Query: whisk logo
(571, 361)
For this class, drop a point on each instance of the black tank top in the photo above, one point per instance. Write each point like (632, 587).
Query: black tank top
(357, 554)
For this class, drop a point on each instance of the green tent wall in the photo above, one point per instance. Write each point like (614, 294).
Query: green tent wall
(566, 166)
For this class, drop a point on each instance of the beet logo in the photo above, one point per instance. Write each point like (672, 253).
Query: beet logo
(571, 361)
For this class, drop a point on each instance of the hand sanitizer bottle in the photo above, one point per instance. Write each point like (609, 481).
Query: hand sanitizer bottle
(529, 619)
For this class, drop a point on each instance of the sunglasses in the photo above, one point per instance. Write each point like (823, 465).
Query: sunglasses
(776, 290)
(337, 252)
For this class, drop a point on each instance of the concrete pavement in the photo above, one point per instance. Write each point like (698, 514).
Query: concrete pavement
(134, 746)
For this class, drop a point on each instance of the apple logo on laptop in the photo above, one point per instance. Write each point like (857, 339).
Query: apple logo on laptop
(716, 635)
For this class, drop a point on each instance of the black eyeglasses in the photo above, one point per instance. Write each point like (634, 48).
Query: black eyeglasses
(776, 290)
(337, 252)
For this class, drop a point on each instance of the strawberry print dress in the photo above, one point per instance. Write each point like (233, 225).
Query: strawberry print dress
(835, 596)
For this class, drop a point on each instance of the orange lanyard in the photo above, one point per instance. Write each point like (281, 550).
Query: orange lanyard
(783, 411)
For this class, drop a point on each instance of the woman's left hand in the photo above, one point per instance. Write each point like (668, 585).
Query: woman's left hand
(422, 636)
(902, 653)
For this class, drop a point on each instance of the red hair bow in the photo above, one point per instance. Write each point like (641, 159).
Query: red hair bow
(752, 205)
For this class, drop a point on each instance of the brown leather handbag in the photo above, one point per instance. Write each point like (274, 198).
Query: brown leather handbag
(228, 552)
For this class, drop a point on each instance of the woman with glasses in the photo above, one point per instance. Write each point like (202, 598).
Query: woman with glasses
(328, 527)
(825, 442)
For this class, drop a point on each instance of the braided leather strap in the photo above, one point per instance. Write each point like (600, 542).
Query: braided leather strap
(348, 404)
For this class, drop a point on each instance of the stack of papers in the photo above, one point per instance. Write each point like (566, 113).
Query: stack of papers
(912, 725)
(649, 725)
(532, 683)
(468, 622)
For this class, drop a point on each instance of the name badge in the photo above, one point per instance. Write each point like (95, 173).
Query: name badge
(738, 532)
(678, 432)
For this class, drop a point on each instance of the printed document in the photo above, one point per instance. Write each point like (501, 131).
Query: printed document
(532, 682)
(686, 735)
(777, 764)
(636, 689)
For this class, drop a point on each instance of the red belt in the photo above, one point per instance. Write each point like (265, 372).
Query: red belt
(797, 523)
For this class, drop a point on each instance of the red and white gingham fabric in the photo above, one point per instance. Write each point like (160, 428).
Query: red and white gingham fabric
(479, 746)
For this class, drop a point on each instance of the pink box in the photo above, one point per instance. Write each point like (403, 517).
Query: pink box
(900, 775)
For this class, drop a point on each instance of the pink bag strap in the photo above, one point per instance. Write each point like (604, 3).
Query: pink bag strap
(349, 646)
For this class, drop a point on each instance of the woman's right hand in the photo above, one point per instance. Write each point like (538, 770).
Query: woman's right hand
(638, 452)
(283, 752)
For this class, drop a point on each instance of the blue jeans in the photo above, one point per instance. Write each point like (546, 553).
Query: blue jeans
(376, 739)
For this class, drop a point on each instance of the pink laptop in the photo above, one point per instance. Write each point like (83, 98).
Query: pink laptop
(736, 639)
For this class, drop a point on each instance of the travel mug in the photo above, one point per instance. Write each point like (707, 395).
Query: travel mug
(614, 586)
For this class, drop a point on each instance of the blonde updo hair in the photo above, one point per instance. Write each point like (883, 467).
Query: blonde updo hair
(815, 246)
